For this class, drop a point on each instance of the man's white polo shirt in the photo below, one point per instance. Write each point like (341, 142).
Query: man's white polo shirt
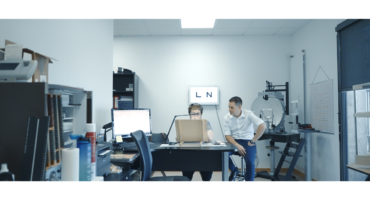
(241, 127)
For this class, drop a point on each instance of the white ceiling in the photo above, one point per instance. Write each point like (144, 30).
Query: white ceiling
(230, 27)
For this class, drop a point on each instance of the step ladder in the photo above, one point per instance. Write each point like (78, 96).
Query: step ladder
(298, 145)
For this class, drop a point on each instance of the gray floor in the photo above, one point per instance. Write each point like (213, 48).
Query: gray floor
(215, 177)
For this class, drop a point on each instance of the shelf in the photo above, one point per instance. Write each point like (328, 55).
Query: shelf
(68, 118)
(68, 142)
(122, 91)
(67, 131)
(129, 75)
(67, 106)
(362, 114)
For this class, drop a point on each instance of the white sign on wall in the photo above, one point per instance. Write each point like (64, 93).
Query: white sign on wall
(322, 106)
(204, 95)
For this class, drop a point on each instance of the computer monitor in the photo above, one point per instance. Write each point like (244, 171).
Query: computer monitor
(126, 121)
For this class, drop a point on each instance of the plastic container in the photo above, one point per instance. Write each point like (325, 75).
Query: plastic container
(85, 158)
(91, 133)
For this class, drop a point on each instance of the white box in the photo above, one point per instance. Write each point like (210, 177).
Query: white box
(65, 100)
(98, 178)
(67, 125)
(363, 159)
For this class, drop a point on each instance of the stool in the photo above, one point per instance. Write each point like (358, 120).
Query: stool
(241, 173)
(265, 174)
(272, 158)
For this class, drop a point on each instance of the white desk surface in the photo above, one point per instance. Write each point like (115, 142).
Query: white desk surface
(193, 145)
(363, 168)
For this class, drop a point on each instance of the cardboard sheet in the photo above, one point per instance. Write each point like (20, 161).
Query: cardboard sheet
(189, 130)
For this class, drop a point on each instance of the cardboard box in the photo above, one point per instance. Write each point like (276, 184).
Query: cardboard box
(42, 72)
(191, 130)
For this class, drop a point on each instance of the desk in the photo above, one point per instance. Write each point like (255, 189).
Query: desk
(193, 159)
(125, 175)
(281, 137)
(190, 159)
(359, 169)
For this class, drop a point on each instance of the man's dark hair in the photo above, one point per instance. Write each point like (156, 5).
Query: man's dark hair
(237, 100)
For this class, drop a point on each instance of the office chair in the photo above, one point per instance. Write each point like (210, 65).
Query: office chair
(146, 159)
(158, 138)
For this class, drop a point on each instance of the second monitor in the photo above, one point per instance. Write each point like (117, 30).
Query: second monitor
(126, 121)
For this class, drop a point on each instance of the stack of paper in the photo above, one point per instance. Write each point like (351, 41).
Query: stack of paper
(125, 102)
(124, 157)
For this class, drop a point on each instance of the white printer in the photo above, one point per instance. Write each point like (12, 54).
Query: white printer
(15, 70)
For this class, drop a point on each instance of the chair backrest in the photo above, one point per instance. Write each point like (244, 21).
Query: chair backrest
(142, 143)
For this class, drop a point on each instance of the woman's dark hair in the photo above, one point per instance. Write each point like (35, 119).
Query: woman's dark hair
(195, 106)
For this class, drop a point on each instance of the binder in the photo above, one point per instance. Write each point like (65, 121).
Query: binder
(35, 149)
(56, 128)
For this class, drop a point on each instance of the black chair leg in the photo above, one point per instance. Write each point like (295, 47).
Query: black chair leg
(368, 178)
(163, 173)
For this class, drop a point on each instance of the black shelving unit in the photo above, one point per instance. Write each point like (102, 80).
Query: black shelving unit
(19, 101)
(121, 82)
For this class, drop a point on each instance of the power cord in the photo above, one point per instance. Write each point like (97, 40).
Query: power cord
(220, 124)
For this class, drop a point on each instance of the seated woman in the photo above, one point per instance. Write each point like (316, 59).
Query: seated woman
(195, 111)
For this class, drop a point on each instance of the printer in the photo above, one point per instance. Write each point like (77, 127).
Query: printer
(17, 69)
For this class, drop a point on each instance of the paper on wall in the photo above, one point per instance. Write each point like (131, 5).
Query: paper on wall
(13, 51)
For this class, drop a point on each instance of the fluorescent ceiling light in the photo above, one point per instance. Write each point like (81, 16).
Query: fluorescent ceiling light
(197, 23)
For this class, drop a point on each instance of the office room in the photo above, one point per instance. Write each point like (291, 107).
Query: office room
(240, 55)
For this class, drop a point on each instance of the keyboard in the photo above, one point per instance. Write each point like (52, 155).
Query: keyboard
(131, 146)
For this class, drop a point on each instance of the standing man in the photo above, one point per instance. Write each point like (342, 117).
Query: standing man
(239, 131)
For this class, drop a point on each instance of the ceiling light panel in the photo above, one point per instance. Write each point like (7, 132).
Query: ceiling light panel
(197, 23)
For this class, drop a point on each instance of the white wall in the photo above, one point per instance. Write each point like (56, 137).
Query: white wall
(83, 48)
(318, 39)
(168, 66)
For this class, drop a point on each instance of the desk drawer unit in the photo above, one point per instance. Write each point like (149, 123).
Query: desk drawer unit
(187, 160)
(103, 161)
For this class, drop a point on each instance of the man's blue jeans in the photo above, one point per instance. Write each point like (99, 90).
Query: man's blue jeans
(249, 158)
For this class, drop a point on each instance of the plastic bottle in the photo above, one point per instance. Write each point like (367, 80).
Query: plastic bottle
(91, 133)
(5, 175)
(85, 158)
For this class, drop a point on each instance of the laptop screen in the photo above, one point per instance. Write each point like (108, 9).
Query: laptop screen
(126, 121)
